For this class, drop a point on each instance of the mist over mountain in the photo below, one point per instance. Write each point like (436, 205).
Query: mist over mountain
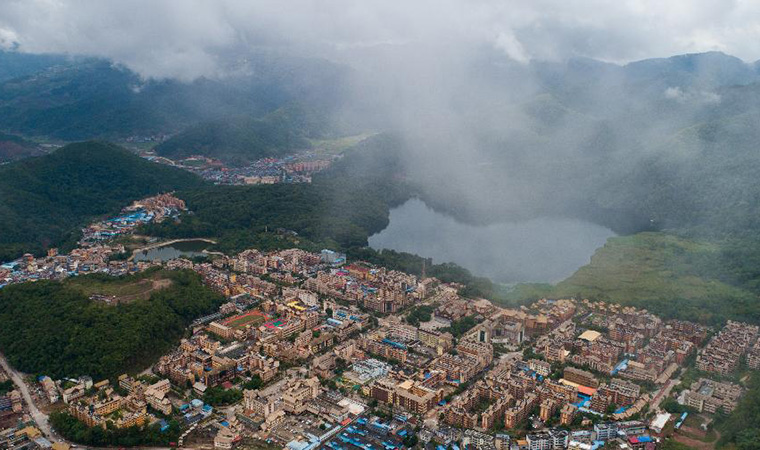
(242, 139)
(96, 98)
(594, 150)
(652, 144)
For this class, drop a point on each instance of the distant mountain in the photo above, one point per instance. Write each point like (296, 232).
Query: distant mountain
(44, 200)
(708, 70)
(93, 98)
(15, 147)
(243, 139)
(15, 64)
(584, 138)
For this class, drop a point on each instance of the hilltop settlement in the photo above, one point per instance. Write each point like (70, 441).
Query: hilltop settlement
(312, 350)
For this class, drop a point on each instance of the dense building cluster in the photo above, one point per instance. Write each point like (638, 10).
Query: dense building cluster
(311, 350)
(296, 168)
(95, 254)
(725, 350)
(151, 209)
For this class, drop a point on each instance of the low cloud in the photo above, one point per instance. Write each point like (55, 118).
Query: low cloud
(689, 96)
(187, 39)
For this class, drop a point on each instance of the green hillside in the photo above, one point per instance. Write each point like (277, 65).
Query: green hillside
(45, 200)
(672, 276)
(244, 139)
(90, 98)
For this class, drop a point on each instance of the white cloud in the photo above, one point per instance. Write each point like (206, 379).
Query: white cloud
(8, 39)
(697, 96)
(512, 47)
(189, 38)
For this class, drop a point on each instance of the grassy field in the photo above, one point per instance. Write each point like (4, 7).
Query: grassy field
(664, 273)
(124, 289)
(648, 266)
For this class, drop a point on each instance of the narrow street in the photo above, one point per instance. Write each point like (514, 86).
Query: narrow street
(663, 393)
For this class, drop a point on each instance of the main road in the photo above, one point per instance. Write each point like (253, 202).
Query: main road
(37, 415)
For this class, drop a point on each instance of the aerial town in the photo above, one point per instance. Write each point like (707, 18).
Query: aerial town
(312, 350)
(296, 168)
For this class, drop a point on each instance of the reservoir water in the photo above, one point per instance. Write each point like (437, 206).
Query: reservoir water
(186, 249)
(538, 250)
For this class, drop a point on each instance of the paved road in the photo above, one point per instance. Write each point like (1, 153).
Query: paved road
(663, 393)
(37, 415)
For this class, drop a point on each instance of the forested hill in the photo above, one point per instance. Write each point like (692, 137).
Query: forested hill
(45, 200)
(243, 139)
(88, 98)
(58, 331)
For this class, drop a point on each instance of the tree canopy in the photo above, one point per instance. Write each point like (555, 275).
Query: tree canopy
(58, 331)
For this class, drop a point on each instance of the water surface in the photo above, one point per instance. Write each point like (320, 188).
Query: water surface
(538, 250)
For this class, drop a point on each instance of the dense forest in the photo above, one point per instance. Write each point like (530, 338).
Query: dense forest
(44, 201)
(60, 332)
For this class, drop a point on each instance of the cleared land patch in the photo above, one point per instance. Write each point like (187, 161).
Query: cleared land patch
(121, 290)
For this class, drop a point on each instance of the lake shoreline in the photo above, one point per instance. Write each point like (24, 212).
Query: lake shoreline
(539, 250)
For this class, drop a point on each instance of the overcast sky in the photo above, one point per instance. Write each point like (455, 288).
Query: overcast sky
(188, 38)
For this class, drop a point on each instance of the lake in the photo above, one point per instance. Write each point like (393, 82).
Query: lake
(186, 249)
(539, 250)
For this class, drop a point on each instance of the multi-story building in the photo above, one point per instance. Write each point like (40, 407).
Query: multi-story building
(724, 351)
(440, 342)
(579, 376)
(710, 396)
(408, 394)
(542, 368)
(567, 414)
(606, 431)
(298, 393)
(221, 330)
(260, 406)
(548, 440)
(520, 411)
(155, 396)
